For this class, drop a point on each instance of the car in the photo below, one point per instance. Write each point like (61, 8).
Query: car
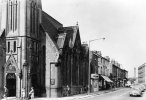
(127, 85)
(135, 91)
(142, 87)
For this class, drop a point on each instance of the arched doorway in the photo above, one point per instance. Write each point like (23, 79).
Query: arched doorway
(11, 84)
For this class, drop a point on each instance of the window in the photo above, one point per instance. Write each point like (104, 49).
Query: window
(32, 17)
(10, 9)
(8, 47)
(34, 24)
(11, 46)
(32, 46)
(14, 46)
(37, 48)
(37, 16)
(16, 15)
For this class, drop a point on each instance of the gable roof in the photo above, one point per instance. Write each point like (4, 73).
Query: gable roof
(60, 35)
(50, 25)
(70, 36)
(53, 21)
(11, 64)
(72, 32)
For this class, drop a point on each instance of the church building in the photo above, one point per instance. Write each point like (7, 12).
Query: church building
(37, 51)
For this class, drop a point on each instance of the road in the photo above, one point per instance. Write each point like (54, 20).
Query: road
(122, 94)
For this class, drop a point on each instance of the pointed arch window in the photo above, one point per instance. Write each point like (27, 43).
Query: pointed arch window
(37, 16)
(101, 70)
(16, 11)
(11, 14)
(31, 18)
(34, 18)
(14, 47)
(11, 46)
(8, 47)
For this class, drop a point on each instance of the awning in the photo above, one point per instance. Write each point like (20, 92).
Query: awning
(106, 78)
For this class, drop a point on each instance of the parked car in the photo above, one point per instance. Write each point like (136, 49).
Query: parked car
(142, 87)
(128, 85)
(136, 91)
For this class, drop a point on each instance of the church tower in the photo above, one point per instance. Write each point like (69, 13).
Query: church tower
(21, 20)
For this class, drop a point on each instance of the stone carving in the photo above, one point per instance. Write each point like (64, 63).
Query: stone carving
(11, 68)
(11, 64)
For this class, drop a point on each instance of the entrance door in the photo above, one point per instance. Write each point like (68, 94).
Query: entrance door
(11, 84)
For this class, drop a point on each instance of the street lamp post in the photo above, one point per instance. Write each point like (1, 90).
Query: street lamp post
(89, 73)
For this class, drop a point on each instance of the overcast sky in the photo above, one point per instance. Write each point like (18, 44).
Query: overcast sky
(121, 22)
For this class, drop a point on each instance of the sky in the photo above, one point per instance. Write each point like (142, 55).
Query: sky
(121, 22)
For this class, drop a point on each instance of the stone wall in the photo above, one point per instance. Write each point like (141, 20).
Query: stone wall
(2, 62)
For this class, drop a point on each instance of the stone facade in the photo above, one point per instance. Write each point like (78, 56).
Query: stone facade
(72, 59)
(37, 51)
(2, 62)
(20, 19)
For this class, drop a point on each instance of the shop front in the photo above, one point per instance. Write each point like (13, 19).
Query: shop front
(105, 82)
(94, 82)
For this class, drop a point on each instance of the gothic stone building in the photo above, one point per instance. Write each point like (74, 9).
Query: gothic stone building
(37, 51)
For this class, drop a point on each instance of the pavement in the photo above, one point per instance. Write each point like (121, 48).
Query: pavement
(79, 96)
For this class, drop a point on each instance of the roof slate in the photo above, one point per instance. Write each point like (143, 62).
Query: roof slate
(62, 36)
(72, 32)
(50, 25)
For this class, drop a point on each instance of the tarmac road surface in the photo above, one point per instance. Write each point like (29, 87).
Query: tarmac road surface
(122, 94)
